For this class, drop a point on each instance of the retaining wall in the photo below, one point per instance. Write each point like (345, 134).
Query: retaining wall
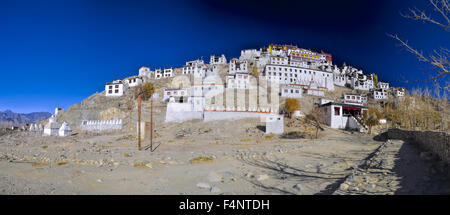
(435, 142)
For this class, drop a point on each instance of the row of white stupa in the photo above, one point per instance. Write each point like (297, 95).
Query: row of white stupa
(52, 128)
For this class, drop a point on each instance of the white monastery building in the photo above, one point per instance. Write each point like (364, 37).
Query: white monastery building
(145, 72)
(176, 93)
(379, 94)
(355, 99)
(291, 92)
(217, 60)
(383, 85)
(168, 73)
(134, 81)
(237, 66)
(158, 73)
(343, 116)
(115, 88)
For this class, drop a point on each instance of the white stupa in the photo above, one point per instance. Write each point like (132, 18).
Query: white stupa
(52, 127)
(65, 130)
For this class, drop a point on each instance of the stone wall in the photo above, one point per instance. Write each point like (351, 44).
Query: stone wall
(435, 142)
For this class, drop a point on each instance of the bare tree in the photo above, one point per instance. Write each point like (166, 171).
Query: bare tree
(316, 118)
(438, 59)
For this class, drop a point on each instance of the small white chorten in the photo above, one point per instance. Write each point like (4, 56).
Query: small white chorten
(65, 130)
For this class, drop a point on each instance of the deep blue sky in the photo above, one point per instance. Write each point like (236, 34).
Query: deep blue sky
(56, 53)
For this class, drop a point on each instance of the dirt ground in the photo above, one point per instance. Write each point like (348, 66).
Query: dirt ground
(189, 158)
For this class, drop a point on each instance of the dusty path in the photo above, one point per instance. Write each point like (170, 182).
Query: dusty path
(110, 164)
(397, 168)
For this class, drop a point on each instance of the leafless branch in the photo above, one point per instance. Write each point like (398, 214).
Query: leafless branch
(442, 7)
(439, 60)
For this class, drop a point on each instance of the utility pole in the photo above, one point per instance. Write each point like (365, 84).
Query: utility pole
(139, 121)
(151, 123)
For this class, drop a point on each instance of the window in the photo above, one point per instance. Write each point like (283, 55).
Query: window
(117, 91)
(110, 91)
(117, 86)
(337, 111)
(110, 87)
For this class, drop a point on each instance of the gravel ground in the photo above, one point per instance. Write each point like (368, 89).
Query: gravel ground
(190, 158)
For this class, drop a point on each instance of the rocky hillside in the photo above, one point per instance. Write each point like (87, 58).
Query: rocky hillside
(100, 107)
(17, 119)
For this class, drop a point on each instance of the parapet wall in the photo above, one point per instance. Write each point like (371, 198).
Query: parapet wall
(101, 125)
(435, 142)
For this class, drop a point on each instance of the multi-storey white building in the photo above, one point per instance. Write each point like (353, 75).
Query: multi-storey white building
(195, 67)
(399, 92)
(379, 94)
(217, 60)
(291, 92)
(158, 73)
(168, 73)
(355, 99)
(383, 85)
(115, 88)
(237, 66)
(249, 54)
(361, 82)
(279, 60)
(299, 76)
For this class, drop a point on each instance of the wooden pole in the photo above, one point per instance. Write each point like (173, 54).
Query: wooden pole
(139, 122)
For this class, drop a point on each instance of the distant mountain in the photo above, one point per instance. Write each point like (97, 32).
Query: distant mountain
(17, 119)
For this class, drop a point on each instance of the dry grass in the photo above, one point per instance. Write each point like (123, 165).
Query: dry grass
(269, 136)
(202, 159)
(44, 147)
(126, 155)
(142, 165)
(246, 140)
(60, 163)
(35, 164)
